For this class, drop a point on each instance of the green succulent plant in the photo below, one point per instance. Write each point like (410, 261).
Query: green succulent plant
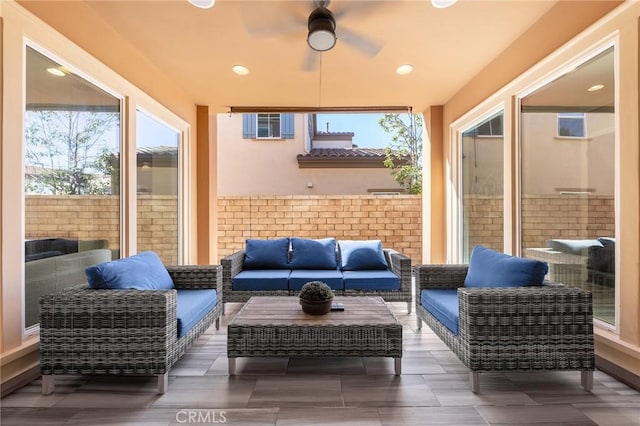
(316, 290)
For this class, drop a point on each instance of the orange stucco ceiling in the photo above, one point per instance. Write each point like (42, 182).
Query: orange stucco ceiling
(196, 48)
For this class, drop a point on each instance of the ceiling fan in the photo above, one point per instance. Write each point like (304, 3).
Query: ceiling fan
(324, 30)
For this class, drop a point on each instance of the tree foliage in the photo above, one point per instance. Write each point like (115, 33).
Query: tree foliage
(404, 153)
(66, 152)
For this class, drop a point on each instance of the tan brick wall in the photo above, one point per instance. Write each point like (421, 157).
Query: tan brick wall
(544, 217)
(396, 220)
(98, 217)
(566, 217)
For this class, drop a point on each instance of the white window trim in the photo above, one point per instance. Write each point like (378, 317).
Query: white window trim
(584, 126)
(279, 137)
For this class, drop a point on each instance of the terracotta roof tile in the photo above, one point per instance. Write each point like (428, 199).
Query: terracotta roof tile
(335, 153)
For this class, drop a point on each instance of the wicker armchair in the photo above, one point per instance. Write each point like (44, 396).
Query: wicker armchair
(548, 327)
(120, 332)
(399, 265)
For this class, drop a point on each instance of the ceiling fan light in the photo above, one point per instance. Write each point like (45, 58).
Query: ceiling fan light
(322, 30)
(203, 4)
(441, 4)
(321, 40)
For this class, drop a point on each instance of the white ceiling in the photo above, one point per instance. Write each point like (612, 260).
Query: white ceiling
(197, 47)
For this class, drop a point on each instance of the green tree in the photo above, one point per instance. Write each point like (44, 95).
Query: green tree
(66, 152)
(404, 153)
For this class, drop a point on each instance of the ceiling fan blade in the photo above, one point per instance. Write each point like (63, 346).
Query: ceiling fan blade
(311, 60)
(364, 44)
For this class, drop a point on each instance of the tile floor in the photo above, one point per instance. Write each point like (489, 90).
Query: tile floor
(433, 390)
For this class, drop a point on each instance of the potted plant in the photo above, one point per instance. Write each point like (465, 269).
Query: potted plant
(316, 298)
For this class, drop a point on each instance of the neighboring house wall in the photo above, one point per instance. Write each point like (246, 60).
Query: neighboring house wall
(270, 166)
(575, 163)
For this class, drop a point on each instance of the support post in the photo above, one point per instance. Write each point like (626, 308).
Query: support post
(586, 377)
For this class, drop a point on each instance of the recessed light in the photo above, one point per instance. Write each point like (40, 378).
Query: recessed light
(203, 4)
(404, 69)
(595, 87)
(240, 70)
(441, 4)
(56, 71)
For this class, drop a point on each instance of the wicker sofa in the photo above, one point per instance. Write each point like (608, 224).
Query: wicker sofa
(122, 332)
(397, 265)
(546, 327)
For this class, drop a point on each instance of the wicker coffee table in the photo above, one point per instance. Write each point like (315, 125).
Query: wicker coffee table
(276, 326)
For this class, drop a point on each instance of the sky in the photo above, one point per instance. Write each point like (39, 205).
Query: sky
(368, 133)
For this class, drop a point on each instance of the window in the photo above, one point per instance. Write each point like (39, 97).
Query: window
(72, 171)
(490, 127)
(158, 189)
(568, 196)
(482, 170)
(268, 125)
(571, 124)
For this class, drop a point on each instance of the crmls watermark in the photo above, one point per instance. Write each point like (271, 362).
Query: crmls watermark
(201, 416)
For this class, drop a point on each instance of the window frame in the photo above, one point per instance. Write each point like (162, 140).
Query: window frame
(566, 116)
(269, 117)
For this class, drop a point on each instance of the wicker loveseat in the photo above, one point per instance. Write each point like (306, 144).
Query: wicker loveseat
(545, 327)
(126, 332)
(388, 277)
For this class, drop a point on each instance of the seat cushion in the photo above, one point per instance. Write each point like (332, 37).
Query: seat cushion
(370, 280)
(313, 254)
(362, 255)
(489, 268)
(578, 247)
(299, 277)
(443, 305)
(192, 306)
(265, 279)
(143, 271)
(266, 254)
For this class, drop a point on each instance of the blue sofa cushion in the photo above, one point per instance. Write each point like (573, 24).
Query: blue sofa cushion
(265, 279)
(266, 254)
(331, 277)
(443, 305)
(489, 268)
(579, 247)
(192, 306)
(143, 271)
(362, 255)
(371, 280)
(313, 254)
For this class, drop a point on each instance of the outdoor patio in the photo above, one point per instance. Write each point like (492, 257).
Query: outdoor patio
(433, 389)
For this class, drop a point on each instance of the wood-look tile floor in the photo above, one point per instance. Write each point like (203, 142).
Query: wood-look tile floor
(432, 390)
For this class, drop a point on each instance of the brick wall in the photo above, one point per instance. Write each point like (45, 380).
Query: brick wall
(98, 217)
(396, 220)
(544, 217)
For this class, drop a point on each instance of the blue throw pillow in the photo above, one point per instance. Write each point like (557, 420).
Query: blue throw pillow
(313, 254)
(362, 255)
(489, 268)
(267, 254)
(143, 271)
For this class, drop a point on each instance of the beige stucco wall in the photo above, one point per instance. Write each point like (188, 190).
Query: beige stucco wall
(270, 167)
